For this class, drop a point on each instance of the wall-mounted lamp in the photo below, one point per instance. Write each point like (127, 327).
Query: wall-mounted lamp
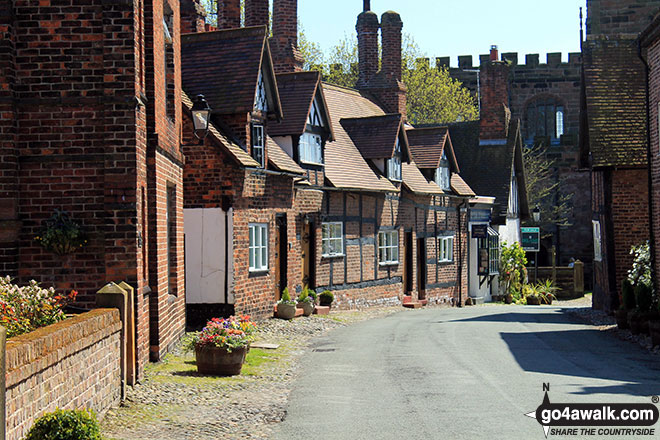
(201, 114)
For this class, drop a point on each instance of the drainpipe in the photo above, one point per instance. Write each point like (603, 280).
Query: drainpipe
(648, 159)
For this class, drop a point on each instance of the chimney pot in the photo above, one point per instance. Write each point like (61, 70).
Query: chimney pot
(494, 55)
(367, 33)
(229, 14)
(367, 6)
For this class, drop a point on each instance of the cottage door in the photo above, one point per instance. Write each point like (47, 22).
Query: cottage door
(421, 268)
(281, 245)
(408, 263)
(307, 256)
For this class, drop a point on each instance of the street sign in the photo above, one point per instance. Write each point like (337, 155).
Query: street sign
(480, 215)
(531, 238)
(479, 231)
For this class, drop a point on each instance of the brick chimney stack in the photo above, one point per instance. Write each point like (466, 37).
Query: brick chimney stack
(229, 14)
(391, 26)
(256, 12)
(193, 16)
(287, 58)
(495, 113)
(494, 55)
(367, 34)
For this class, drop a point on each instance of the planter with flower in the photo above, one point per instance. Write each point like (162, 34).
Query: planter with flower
(286, 307)
(546, 291)
(326, 298)
(305, 302)
(61, 235)
(221, 346)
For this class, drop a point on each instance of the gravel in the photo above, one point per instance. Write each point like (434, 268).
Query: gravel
(174, 402)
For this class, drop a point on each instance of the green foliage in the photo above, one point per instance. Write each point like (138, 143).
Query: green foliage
(643, 297)
(233, 332)
(286, 298)
(61, 235)
(65, 425)
(311, 292)
(326, 297)
(546, 291)
(542, 186)
(628, 295)
(304, 297)
(641, 268)
(512, 267)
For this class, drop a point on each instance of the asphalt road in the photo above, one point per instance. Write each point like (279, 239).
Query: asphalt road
(468, 373)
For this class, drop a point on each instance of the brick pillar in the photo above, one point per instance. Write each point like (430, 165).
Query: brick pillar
(256, 12)
(9, 224)
(193, 16)
(391, 26)
(285, 36)
(495, 113)
(367, 34)
(229, 14)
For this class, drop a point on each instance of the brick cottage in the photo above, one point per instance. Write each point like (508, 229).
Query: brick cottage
(91, 125)
(305, 183)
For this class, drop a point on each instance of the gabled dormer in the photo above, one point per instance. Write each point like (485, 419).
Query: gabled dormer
(233, 69)
(306, 127)
(433, 153)
(382, 141)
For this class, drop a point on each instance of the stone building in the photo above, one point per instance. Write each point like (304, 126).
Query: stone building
(616, 139)
(91, 125)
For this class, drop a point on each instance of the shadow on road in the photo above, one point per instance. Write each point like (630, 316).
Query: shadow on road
(555, 316)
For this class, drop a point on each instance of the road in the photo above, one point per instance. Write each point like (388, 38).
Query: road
(469, 373)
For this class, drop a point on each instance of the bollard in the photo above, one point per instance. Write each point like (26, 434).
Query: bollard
(113, 296)
(130, 335)
(578, 278)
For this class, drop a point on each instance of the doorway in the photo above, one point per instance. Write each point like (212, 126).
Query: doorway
(421, 268)
(408, 263)
(281, 255)
(308, 253)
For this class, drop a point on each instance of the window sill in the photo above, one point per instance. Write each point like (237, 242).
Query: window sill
(388, 263)
(446, 262)
(317, 164)
(258, 271)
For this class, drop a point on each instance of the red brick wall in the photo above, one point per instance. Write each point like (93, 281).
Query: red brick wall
(494, 97)
(653, 59)
(367, 35)
(73, 364)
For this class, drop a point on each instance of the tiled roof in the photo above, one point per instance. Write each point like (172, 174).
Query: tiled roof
(279, 159)
(487, 168)
(427, 145)
(344, 165)
(375, 136)
(460, 187)
(616, 102)
(233, 149)
(414, 180)
(297, 91)
(224, 67)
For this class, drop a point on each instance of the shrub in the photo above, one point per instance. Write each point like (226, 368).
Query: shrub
(304, 297)
(326, 297)
(312, 293)
(26, 308)
(286, 298)
(643, 296)
(65, 425)
(512, 268)
(627, 295)
(641, 268)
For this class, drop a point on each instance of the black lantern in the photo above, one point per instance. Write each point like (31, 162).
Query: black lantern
(201, 113)
(536, 214)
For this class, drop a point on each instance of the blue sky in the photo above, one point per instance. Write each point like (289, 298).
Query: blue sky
(467, 27)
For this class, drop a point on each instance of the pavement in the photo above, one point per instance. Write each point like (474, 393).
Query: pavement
(469, 373)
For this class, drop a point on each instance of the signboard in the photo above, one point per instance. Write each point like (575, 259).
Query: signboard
(483, 262)
(480, 215)
(531, 239)
(479, 231)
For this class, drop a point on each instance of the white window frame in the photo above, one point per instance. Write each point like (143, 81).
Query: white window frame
(314, 117)
(261, 98)
(258, 247)
(445, 245)
(328, 239)
(559, 122)
(513, 195)
(310, 149)
(598, 244)
(388, 247)
(443, 174)
(256, 146)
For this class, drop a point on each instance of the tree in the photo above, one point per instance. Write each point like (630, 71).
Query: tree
(543, 188)
(433, 96)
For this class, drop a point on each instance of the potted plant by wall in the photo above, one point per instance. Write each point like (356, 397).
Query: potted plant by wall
(546, 291)
(286, 307)
(325, 298)
(221, 347)
(638, 319)
(305, 302)
(627, 304)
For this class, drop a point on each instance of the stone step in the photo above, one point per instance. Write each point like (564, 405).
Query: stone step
(322, 310)
(412, 305)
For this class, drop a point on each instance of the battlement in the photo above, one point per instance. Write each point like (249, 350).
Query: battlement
(553, 59)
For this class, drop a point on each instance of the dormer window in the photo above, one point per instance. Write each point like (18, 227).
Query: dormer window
(261, 101)
(258, 144)
(442, 174)
(310, 149)
(394, 164)
(315, 118)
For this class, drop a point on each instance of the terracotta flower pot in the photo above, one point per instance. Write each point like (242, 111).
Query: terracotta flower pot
(218, 361)
(508, 299)
(286, 311)
(307, 308)
(622, 319)
(533, 301)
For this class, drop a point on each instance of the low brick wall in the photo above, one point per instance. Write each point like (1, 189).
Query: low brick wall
(69, 365)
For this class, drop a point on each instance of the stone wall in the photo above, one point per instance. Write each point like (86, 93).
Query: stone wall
(73, 364)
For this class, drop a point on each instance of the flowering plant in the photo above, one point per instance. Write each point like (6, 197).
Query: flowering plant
(286, 298)
(24, 309)
(60, 234)
(227, 333)
(512, 268)
(641, 268)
